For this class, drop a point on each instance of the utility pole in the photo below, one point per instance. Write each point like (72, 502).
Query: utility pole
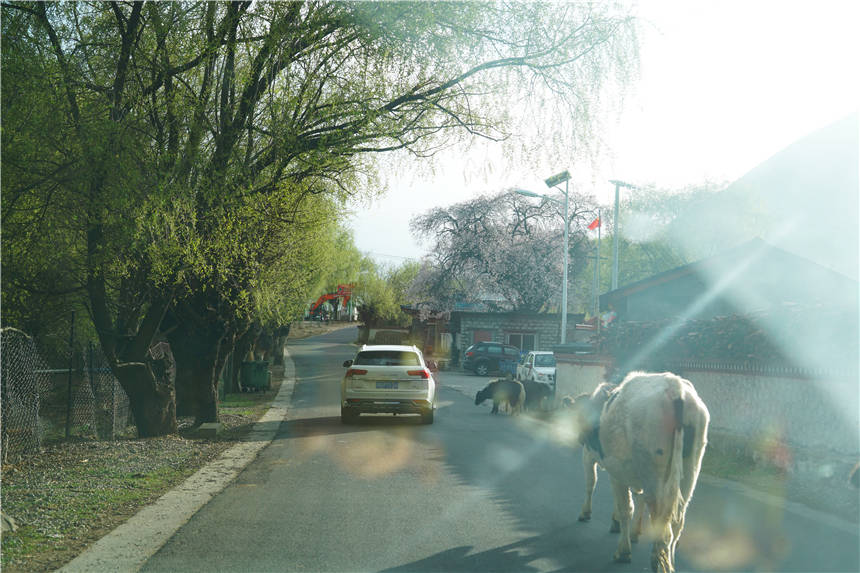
(616, 226)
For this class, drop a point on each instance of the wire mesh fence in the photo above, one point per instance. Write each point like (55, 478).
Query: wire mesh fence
(59, 397)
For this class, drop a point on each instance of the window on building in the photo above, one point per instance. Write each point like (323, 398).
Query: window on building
(522, 340)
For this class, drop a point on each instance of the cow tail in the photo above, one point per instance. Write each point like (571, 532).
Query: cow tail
(675, 471)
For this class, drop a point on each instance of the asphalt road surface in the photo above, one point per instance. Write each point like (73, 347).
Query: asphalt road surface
(472, 492)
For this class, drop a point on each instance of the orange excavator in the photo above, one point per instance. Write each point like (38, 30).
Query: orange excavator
(343, 291)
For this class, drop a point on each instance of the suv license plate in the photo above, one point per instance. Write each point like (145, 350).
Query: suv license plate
(387, 385)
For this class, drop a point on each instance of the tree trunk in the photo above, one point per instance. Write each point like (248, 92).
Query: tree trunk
(152, 403)
(197, 359)
(187, 346)
(243, 345)
(204, 383)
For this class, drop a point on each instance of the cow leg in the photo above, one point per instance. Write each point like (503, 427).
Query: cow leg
(590, 481)
(623, 509)
(639, 510)
(662, 560)
(495, 409)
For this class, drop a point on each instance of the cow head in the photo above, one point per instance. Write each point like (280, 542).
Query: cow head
(585, 411)
(482, 395)
(486, 393)
(580, 413)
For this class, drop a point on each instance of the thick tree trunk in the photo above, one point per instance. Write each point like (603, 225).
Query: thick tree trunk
(152, 402)
(197, 368)
(205, 368)
(184, 347)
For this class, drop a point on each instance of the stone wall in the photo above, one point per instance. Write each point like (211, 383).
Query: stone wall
(545, 327)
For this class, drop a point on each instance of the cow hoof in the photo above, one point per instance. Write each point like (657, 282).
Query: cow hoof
(622, 558)
(660, 564)
(585, 516)
(615, 527)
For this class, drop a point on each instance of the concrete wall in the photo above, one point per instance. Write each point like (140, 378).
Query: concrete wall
(809, 414)
(814, 413)
(577, 378)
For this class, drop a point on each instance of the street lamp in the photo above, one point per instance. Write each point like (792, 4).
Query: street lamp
(617, 184)
(553, 181)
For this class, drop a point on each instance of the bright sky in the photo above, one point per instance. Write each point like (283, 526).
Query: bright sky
(724, 85)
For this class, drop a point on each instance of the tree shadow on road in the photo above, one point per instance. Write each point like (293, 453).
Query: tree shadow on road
(555, 551)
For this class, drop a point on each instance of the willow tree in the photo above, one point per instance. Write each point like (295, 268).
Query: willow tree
(182, 126)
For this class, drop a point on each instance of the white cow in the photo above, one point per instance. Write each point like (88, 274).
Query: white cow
(649, 433)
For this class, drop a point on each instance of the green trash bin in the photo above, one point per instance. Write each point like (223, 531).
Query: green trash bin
(255, 375)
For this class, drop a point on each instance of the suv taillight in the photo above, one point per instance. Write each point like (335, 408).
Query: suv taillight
(355, 372)
(470, 354)
(422, 373)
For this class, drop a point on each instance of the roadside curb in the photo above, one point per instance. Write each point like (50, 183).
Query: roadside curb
(794, 507)
(130, 545)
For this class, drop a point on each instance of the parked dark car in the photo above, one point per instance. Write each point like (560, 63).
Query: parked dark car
(483, 358)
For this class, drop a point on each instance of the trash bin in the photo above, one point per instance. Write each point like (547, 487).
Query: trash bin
(255, 375)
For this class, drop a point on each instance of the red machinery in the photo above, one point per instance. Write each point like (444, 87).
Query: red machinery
(343, 291)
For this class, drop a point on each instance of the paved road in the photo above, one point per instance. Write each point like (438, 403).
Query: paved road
(473, 492)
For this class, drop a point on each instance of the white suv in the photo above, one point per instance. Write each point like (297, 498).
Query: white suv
(387, 379)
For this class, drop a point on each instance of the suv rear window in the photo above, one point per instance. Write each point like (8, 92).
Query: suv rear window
(386, 358)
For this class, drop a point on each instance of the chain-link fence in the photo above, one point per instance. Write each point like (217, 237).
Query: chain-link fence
(60, 397)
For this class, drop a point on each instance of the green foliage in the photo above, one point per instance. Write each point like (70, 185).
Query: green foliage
(183, 153)
(381, 291)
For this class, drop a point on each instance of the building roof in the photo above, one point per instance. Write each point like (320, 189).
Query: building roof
(759, 268)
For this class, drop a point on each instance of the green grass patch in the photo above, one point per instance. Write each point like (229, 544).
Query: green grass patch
(237, 402)
(238, 411)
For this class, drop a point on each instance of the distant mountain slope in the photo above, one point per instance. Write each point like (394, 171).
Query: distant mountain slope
(804, 199)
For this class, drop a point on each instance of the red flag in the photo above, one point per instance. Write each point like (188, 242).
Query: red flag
(594, 224)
